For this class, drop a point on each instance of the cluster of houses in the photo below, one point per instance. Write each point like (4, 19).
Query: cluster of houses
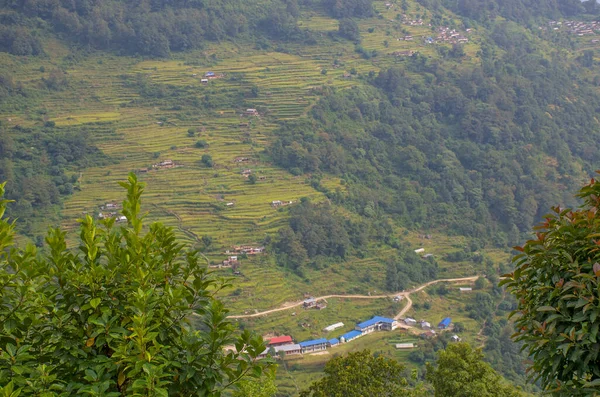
(245, 249)
(412, 22)
(165, 164)
(114, 215)
(209, 76)
(311, 303)
(286, 344)
(578, 28)
(450, 36)
(111, 212)
(406, 38)
(429, 332)
(280, 203)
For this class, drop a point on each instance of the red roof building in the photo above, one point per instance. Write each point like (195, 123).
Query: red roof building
(280, 341)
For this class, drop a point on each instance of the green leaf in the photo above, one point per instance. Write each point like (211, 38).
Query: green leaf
(546, 309)
(95, 302)
(10, 325)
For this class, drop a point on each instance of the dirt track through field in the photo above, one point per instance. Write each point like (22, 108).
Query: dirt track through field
(405, 294)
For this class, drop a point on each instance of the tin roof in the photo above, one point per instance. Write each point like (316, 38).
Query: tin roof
(314, 342)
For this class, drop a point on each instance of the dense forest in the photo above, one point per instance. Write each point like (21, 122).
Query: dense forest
(522, 11)
(148, 27)
(483, 151)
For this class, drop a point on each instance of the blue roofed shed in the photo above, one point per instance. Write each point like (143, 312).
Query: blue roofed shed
(445, 323)
(314, 345)
(334, 342)
(347, 337)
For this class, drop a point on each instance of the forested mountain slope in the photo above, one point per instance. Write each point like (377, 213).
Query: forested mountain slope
(380, 127)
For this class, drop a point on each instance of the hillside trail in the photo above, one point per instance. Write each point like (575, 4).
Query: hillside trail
(405, 294)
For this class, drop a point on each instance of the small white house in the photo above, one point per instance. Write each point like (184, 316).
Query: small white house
(405, 345)
(419, 251)
(410, 321)
(455, 338)
(425, 325)
(465, 289)
(204, 81)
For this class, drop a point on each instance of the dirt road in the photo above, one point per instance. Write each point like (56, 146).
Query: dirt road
(405, 294)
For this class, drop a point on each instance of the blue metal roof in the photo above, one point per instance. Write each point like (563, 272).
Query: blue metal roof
(351, 335)
(373, 321)
(309, 343)
(334, 341)
(445, 322)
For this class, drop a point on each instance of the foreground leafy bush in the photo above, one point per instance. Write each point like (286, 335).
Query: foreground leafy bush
(556, 283)
(132, 312)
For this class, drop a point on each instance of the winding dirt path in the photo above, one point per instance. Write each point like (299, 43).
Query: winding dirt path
(405, 294)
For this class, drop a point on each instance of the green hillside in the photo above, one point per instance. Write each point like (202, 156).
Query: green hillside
(380, 128)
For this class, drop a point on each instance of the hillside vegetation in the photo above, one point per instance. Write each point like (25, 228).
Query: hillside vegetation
(380, 128)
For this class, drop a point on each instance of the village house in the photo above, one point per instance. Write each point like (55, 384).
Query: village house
(251, 112)
(204, 81)
(425, 325)
(246, 173)
(210, 75)
(455, 338)
(334, 342)
(316, 345)
(377, 323)
(165, 164)
(405, 345)
(465, 289)
(445, 323)
(428, 335)
(310, 302)
(419, 250)
(320, 306)
(410, 321)
(231, 261)
(289, 350)
(280, 341)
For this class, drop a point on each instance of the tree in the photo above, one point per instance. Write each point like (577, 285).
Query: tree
(252, 179)
(480, 283)
(555, 283)
(348, 28)
(207, 160)
(129, 313)
(461, 371)
(360, 374)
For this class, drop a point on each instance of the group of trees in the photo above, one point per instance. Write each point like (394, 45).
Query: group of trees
(522, 11)
(149, 28)
(458, 371)
(316, 231)
(349, 8)
(41, 165)
(408, 267)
